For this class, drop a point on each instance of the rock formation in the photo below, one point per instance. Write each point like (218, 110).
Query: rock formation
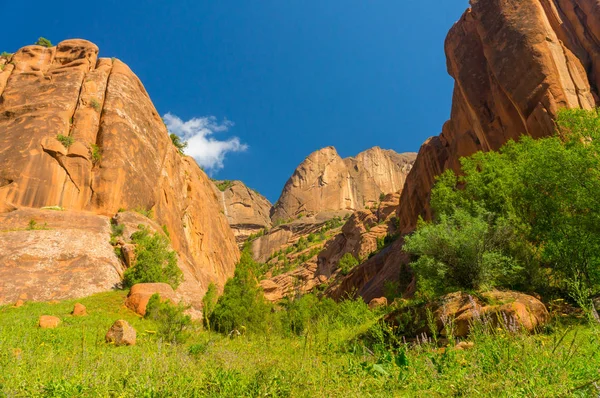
(246, 210)
(80, 132)
(326, 182)
(515, 64)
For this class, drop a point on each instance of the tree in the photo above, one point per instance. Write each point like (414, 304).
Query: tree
(42, 41)
(347, 262)
(179, 144)
(154, 261)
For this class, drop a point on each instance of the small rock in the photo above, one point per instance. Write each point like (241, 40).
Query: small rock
(19, 303)
(79, 310)
(378, 302)
(49, 322)
(128, 251)
(464, 345)
(121, 333)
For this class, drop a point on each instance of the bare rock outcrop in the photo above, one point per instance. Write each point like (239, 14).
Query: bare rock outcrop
(326, 182)
(247, 211)
(81, 132)
(515, 64)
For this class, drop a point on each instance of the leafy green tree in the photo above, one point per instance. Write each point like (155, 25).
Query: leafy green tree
(42, 41)
(154, 261)
(172, 320)
(242, 304)
(209, 301)
(347, 262)
(178, 142)
(548, 191)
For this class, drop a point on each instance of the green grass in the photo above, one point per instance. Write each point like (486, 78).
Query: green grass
(74, 361)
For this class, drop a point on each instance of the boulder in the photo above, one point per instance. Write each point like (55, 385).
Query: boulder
(79, 310)
(49, 322)
(121, 333)
(459, 311)
(378, 302)
(140, 294)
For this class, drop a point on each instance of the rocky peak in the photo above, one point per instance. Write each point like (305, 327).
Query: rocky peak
(80, 133)
(247, 211)
(325, 182)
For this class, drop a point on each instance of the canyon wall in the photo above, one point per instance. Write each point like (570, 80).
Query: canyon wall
(80, 133)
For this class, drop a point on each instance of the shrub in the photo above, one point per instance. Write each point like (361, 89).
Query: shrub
(172, 321)
(42, 41)
(546, 191)
(67, 141)
(179, 144)
(154, 261)
(96, 105)
(347, 262)
(5, 55)
(149, 213)
(209, 301)
(96, 153)
(242, 304)
(381, 197)
(462, 251)
(224, 185)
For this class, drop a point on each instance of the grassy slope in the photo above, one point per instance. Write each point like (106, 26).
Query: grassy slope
(73, 360)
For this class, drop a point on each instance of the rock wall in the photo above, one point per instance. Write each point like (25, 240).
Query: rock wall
(121, 156)
(515, 64)
(326, 182)
(247, 211)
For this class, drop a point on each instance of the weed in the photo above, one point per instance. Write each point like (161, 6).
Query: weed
(67, 141)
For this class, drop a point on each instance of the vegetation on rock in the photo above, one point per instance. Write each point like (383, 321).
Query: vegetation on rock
(66, 140)
(42, 41)
(178, 142)
(154, 261)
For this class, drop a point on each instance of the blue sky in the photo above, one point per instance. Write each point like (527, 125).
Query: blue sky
(271, 80)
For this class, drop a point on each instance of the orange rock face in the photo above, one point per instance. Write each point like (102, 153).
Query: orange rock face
(326, 182)
(515, 64)
(118, 154)
(247, 211)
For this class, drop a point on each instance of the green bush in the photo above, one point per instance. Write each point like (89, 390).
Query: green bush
(242, 304)
(209, 301)
(67, 141)
(224, 185)
(347, 262)
(462, 251)
(42, 41)
(544, 191)
(154, 261)
(5, 55)
(172, 321)
(96, 105)
(96, 153)
(178, 142)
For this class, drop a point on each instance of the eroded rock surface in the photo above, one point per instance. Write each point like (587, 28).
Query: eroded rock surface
(247, 211)
(326, 182)
(118, 155)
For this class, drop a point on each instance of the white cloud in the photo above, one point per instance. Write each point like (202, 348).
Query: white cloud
(208, 151)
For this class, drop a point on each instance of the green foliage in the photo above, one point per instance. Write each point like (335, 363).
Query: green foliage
(463, 251)
(541, 195)
(42, 41)
(325, 356)
(154, 261)
(96, 153)
(224, 185)
(347, 262)
(96, 105)
(242, 305)
(67, 141)
(209, 301)
(178, 142)
(173, 323)
(149, 213)
(381, 197)
(34, 226)
(6, 55)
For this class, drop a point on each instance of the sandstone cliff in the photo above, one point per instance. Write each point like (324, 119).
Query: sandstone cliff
(117, 154)
(326, 182)
(246, 210)
(515, 63)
